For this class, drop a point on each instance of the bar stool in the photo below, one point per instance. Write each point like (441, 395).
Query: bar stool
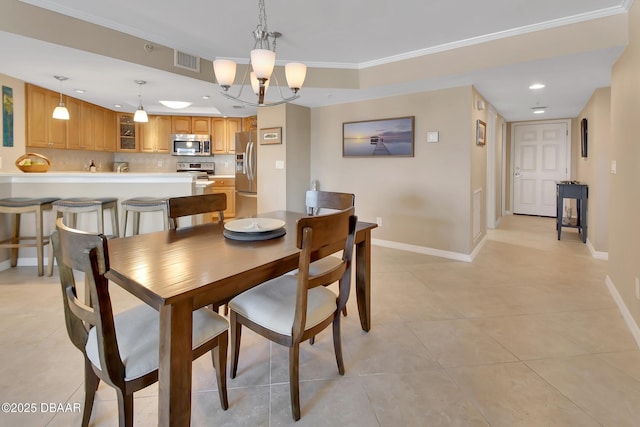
(17, 206)
(70, 208)
(137, 205)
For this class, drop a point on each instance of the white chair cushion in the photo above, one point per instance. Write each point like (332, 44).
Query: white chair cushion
(138, 331)
(272, 304)
(321, 265)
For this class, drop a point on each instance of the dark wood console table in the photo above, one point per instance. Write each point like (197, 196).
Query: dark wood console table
(572, 190)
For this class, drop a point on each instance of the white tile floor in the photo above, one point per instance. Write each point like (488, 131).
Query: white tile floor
(526, 335)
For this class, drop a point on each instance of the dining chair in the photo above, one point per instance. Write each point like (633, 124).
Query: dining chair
(122, 350)
(196, 205)
(321, 201)
(292, 308)
(318, 200)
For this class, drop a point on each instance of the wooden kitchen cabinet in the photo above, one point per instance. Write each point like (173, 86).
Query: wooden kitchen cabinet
(181, 124)
(201, 125)
(223, 134)
(97, 116)
(74, 125)
(110, 134)
(228, 187)
(90, 127)
(250, 123)
(87, 135)
(127, 133)
(42, 129)
(156, 135)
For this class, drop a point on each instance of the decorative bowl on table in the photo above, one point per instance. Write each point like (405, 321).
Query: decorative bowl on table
(251, 229)
(33, 162)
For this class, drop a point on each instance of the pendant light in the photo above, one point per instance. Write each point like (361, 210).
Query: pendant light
(140, 115)
(60, 112)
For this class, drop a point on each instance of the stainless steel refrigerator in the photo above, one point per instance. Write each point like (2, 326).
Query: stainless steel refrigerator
(246, 174)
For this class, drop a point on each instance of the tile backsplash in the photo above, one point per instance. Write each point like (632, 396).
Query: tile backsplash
(79, 160)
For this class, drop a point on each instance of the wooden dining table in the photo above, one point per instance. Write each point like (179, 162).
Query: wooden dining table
(179, 271)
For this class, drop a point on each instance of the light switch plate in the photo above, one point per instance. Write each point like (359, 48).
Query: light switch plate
(433, 136)
(279, 164)
(614, 167)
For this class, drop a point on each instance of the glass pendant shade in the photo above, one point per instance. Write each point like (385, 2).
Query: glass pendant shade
(61, 112)
(263, 61)
(225, 71)
(295, 73)
(255, 84)
(140, 115)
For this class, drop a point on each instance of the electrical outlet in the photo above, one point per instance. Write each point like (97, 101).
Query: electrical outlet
(637, 288)
(379, 221)
(159, 163)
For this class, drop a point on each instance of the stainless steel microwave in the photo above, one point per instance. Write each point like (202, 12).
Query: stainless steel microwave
(190, 145)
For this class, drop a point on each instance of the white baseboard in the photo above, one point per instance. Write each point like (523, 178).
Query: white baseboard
(430, 251)
(595, 254)
(626, 314)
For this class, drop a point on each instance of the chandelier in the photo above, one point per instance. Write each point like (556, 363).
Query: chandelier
(263, 59)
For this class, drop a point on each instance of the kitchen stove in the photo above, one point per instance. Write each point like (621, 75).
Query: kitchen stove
(199, 170)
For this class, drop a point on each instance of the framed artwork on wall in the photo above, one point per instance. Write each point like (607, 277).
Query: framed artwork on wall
(270, 136)
(379, 138)
(481, 132)
(583, 137)
(7, 116)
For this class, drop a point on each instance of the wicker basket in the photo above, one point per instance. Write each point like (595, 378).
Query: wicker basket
(34, 167)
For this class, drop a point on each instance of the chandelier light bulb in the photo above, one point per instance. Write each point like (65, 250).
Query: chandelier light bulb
(225, 72)
(295, 73)
(263, 61)
(255, 84)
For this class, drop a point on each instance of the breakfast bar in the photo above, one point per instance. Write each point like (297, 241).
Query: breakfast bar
(86, 184)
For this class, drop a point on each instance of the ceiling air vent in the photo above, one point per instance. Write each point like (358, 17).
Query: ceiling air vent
(186, 61)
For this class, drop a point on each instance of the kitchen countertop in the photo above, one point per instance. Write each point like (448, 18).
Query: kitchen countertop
(67, 176)
(96, 177)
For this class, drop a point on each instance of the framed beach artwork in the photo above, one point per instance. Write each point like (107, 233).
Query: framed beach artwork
(379, 138)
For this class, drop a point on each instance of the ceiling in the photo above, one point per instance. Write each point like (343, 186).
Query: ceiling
(330, 34)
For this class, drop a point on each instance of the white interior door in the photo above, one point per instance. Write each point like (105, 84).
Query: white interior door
(541, 158)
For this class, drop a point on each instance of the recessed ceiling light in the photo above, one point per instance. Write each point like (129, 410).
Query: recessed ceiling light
(79, 90)
(536, 86)
(205, 97)
(538, 111)
(117, 105)
(175, 104)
